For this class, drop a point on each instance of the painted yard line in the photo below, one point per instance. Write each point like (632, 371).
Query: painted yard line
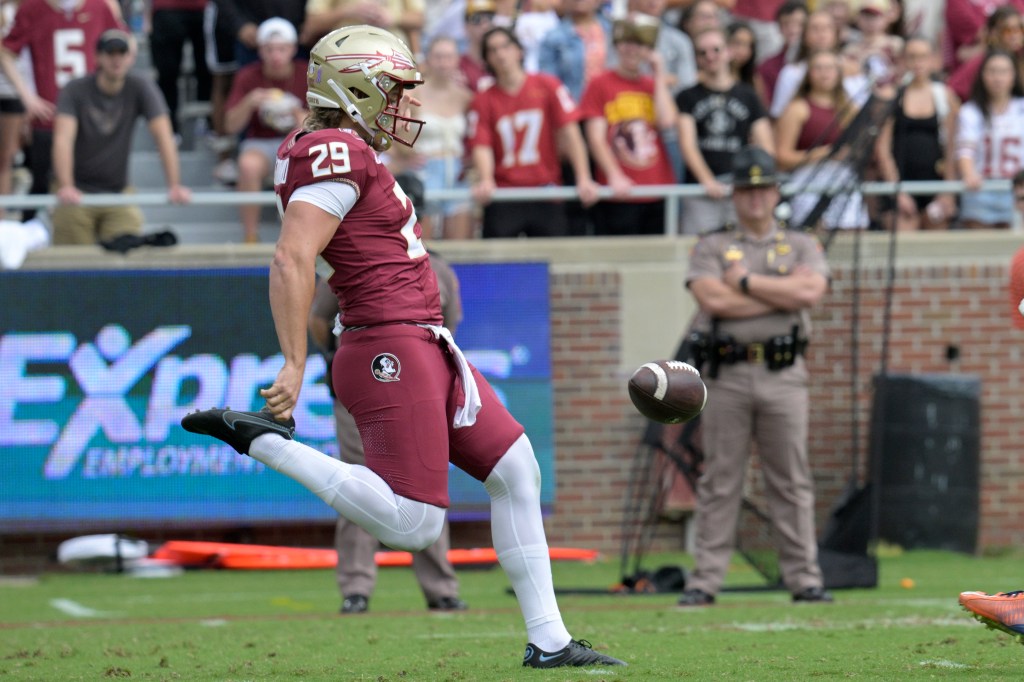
(76, 610)
(945, 664)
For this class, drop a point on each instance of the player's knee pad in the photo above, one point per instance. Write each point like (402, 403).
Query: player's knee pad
(421, 526)
(516, 473)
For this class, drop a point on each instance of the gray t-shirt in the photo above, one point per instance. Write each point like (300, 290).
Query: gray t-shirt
(105, 127)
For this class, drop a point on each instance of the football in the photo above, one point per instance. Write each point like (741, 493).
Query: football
(668, 391)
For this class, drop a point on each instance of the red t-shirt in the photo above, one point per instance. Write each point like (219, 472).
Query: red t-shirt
(63, 45)
(476, 74)
(382, 273)
(250, 77)
(963, 20)
(762, 10)
(628, 107)
(520, 128)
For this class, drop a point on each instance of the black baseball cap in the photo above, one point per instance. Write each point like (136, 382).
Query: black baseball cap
(752, 166)
(114, 40)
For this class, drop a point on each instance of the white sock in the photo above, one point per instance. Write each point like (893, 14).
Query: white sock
(517, 531)
(355, 492)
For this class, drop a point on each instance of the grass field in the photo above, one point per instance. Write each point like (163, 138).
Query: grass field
(207, 625)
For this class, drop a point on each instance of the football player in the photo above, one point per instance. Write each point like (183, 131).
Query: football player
(415, 398)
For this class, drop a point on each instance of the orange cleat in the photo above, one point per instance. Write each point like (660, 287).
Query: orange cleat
(1003, 611)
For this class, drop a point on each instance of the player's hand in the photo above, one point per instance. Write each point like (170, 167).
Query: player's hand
(69, 196)
(38, 109)
(482, 192)
(587, 190)
(179, 194)
(283, 395)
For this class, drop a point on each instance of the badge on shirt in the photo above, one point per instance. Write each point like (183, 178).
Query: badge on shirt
(733, 253)
(386, 367)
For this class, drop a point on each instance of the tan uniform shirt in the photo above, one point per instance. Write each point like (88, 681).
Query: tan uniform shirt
(775, 255)
(396, 8)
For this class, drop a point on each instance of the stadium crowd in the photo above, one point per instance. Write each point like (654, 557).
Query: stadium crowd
(569, 92)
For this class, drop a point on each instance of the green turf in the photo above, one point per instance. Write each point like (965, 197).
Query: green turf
(232, 625)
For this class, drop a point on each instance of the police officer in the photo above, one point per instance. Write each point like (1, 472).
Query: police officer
(754, 284)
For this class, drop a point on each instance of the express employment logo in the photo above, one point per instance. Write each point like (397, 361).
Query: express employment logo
(106, 370)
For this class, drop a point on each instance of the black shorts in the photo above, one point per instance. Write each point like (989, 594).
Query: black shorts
(525, 218)
(11, 105)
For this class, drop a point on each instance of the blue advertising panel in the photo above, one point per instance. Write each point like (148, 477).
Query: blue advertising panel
(98, 367)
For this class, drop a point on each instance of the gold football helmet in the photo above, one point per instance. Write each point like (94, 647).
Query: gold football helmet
(364, 71)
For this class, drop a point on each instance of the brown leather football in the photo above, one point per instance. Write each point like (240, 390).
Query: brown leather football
(668, 391)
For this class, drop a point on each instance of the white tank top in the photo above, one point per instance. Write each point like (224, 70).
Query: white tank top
(442, 136)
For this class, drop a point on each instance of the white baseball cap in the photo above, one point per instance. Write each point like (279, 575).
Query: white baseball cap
(276, 29)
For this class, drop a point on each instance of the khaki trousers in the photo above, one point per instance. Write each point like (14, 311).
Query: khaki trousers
(357, 569)
(748, 403)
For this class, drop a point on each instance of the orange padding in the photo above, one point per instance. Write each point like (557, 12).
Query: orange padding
(264, 557)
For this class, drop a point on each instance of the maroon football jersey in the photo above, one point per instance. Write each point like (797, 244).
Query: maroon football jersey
(382, 273)
(520, 128)
(63, 44)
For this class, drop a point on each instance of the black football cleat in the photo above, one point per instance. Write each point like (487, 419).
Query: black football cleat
(578, 653)
(237, 429)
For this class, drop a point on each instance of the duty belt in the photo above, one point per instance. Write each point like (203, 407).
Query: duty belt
(778, 353)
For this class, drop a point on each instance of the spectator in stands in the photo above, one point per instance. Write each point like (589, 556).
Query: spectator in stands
(41, 26)
(674, 46)
(805, 135)
(242, 18)
(404, 18)
(717, 117)
(820, 35)
(437, 159)
(578, 48)
(1004, 30)
(624, 111)
(479, 20)
(965, 34)
(700, 16)
(842, 13)
(535, 20)
(175, 22)
(267, 100)
(92, 140)
(875, 47)
(516, 129)
(220, 62)
(742, 46)
(760, 16)
(791, 18)
(988, 141)
(356, 571)
(915, 143)
(12, 111)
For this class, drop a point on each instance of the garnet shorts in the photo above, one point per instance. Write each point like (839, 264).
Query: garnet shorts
(401, 385)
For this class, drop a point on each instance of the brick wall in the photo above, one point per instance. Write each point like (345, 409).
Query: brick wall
(950, 291)
(933, 308)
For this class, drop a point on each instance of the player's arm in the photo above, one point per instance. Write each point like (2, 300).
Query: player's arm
(305, 232)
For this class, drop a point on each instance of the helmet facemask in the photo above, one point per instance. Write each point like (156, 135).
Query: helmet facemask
(386, 126)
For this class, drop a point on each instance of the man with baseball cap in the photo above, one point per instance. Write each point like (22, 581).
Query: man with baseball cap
(755, 283)
(92, 140)
(267, 100)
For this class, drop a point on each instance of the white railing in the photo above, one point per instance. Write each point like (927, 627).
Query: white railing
(202, 197)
